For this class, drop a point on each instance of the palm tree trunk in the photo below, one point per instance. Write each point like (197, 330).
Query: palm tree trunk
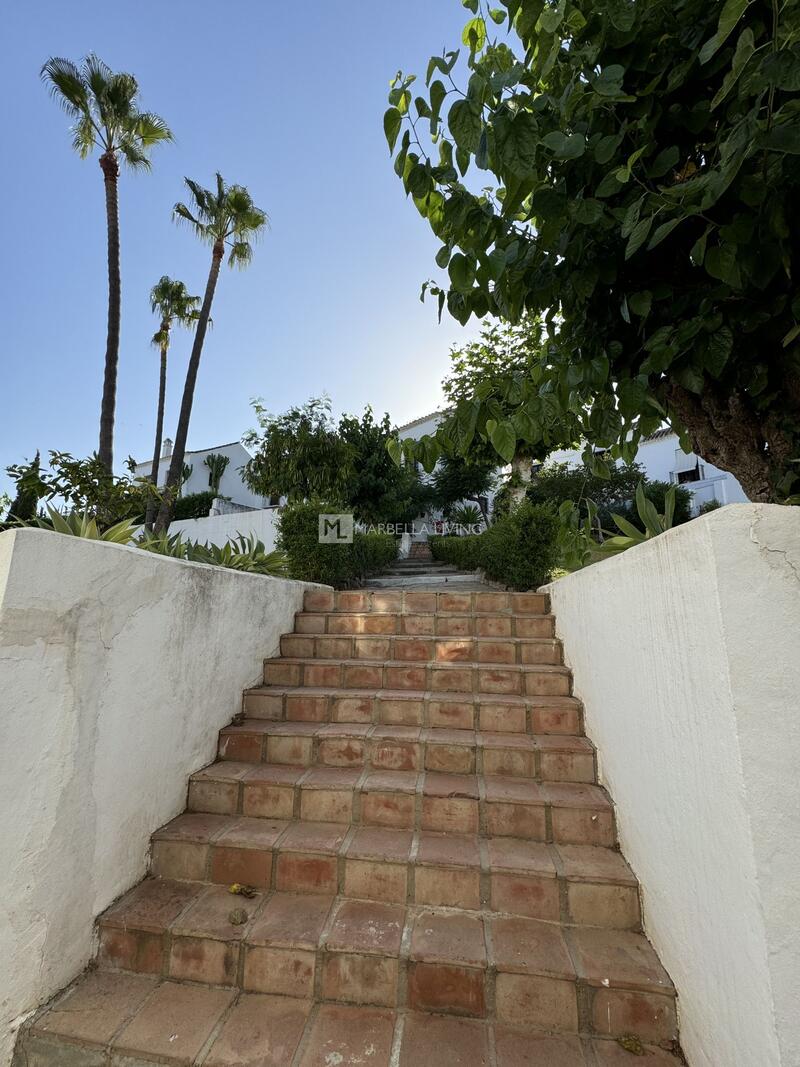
(110, 167)
(182, 432)
(162, 393)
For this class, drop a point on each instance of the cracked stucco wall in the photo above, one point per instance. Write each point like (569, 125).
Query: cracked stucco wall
(686, 653)
(117, 670)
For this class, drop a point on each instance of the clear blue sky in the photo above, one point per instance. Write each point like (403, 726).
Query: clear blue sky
(287, 99)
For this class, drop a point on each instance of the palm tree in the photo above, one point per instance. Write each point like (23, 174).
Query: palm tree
(104, 108)
(170, 300)
(225, 218)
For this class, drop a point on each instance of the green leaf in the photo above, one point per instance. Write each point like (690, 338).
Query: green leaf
(474, 35)
(609, 81)
(720, 262)
(438, 94)
(552, 17)
(503, 437)
(462, 272)
(497, 15)
(394, 448)
(622, 14)
(640, 303)
(664, 230)
(782, 138)
(609, 185)
(392, 121)
(464, 121)
(731, 13)
(606, 147)
(745, 47)
(516, 141)
(638, 236)
(588, 211)
(563, 146)
(471, 5)
(720, 346)
(664, 162)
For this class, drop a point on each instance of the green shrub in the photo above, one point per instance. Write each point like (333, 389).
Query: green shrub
(460, 551)
(338, 565)
(372, 553)
(709, 506)
(193, 506)
(520, 549)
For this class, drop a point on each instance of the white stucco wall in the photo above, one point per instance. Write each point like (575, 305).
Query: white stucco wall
(217, 529)
(231, 484)
(686, 652)
(117, 669)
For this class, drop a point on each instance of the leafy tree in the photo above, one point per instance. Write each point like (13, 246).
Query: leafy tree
(28, 478)
(616, 493)
(456, 479)
(377, 489)
(225, 218)
(487, 381)
(85, 485)
(643, 168)
(106, 114)
(171, 301)
(217, 465)
(298, 454)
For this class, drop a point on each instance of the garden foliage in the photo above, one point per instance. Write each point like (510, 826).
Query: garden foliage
(339, 565)
(630, 172)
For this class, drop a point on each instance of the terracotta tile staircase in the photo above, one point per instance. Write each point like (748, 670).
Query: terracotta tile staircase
(430, 869)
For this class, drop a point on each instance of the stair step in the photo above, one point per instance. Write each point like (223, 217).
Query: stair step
(139, 1013)
(580, 884)
(107, 1014)
(499, 679)
(406, 600)
(410, 748)
(409, 707)
(423, 624)
(520, 971)
(564, 812)
(416, 649)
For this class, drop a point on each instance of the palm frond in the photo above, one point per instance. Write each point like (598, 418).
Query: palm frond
(66, 85)
(240, 254)
(181, 213)
(151, 129)
(120, 93)
(204, 198)
(84, 136)
(133, 153)
(96, 75)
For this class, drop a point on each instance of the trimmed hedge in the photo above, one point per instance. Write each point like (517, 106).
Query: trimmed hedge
(339, 565)
(193, 506)
(519, 550)
(460, 551)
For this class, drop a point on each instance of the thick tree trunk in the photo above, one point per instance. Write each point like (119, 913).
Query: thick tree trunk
(182, 432)
(727, 433)
(521, 475)
(162, 393)
(110, 168)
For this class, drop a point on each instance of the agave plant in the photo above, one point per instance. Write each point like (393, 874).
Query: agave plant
(243, 554)
(84, 524)
(654, 524)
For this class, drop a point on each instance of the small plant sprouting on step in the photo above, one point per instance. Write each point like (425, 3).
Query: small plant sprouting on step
(238, 719)
(238, 917)
(247, 891)
(632, 1044)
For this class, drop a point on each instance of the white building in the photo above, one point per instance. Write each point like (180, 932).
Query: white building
(660, 455)
(231, 486)
(663, 460)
